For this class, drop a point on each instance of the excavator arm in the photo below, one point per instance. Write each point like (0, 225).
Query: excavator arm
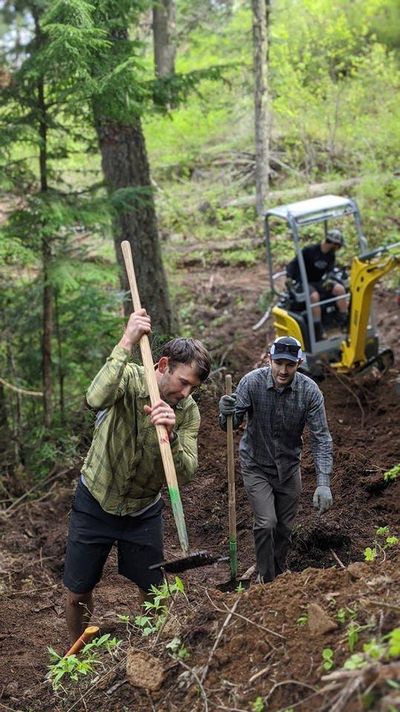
(365, 272)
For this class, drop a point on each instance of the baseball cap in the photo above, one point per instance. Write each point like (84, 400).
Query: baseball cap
(286, 347)
(335, 237)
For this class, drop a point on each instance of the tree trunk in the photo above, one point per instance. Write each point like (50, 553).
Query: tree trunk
(5, 432)
(60, 360)
(260, 54)
(164, 37)
(47, 335)
(125, 165)
(46, 262)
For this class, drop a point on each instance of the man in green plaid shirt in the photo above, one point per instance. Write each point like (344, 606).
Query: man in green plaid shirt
(118, 495)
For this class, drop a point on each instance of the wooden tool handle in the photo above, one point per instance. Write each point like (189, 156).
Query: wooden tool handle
(231, 484)
(80, 643)
(144, 343)
(162, 433)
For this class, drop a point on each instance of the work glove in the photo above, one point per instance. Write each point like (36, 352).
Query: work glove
(227, 405)
(322, 498)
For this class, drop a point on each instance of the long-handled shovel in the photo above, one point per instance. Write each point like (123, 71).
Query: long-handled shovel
(231, 485)
(201, 558)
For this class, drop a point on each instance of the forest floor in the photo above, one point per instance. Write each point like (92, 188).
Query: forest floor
(260, 648)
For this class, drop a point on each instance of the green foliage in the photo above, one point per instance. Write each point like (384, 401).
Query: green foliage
(246, 258)
(381, 649)
(392, 474)
(389, 540)
(355, 662)
(393, 639)
(258, 705)
(370, 554)
(328, 657)
(353, 631)
(345, 614)
(157, 607)
(302, 620)
(177, 649)
(87, 322)
(75, 666)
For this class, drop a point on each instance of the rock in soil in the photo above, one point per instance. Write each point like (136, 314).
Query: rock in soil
(144, 670)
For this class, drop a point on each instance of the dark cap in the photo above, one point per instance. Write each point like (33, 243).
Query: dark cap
(286, 347)
(335, 237)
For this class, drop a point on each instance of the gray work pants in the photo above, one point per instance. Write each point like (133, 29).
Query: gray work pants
(274, 506)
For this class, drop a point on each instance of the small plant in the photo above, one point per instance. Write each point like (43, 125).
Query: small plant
(353, 631)
(393, 643)
(157, 607)
(391, 541)
(240, 588)
(382, 531)
(148, 624)
(74, 666)
(328, 659)
(177, 649)
(127, 620)
(374, 650)
(370, 553)
(355, 662)
(345, 614)
(392, 474)
(302, 620)
(258, 705)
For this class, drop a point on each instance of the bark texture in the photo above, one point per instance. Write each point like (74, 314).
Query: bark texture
(164, 36)
(125, 165)
(260, 54)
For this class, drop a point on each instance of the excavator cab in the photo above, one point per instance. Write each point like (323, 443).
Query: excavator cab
(358, 346)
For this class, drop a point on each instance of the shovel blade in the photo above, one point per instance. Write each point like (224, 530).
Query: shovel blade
(193, 561)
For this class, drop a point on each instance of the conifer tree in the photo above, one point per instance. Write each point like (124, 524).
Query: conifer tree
(77, 75)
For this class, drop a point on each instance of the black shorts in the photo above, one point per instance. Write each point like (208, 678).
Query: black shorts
(92, 532)
(322, 291)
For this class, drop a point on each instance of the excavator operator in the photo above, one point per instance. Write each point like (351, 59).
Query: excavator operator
(319, 261)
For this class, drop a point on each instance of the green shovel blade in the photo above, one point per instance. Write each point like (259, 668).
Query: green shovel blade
(177, 510)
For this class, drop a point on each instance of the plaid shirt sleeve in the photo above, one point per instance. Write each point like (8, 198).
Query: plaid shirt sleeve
(321, 440)
(184, 447)
(109, 384)
(242, 406)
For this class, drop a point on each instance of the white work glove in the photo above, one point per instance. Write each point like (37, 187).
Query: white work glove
(227, 405)
(322, 498)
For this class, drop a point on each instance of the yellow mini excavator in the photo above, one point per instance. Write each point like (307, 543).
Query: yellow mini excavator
(356, 348)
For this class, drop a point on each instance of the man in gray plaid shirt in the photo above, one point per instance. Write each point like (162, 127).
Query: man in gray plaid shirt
(278, 401)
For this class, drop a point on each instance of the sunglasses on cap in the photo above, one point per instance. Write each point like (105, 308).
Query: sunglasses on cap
(280, 348)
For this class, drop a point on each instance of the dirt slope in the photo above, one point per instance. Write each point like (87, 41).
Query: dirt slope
(261, 649)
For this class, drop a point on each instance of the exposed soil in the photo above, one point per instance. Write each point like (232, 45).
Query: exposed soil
(261, 649)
